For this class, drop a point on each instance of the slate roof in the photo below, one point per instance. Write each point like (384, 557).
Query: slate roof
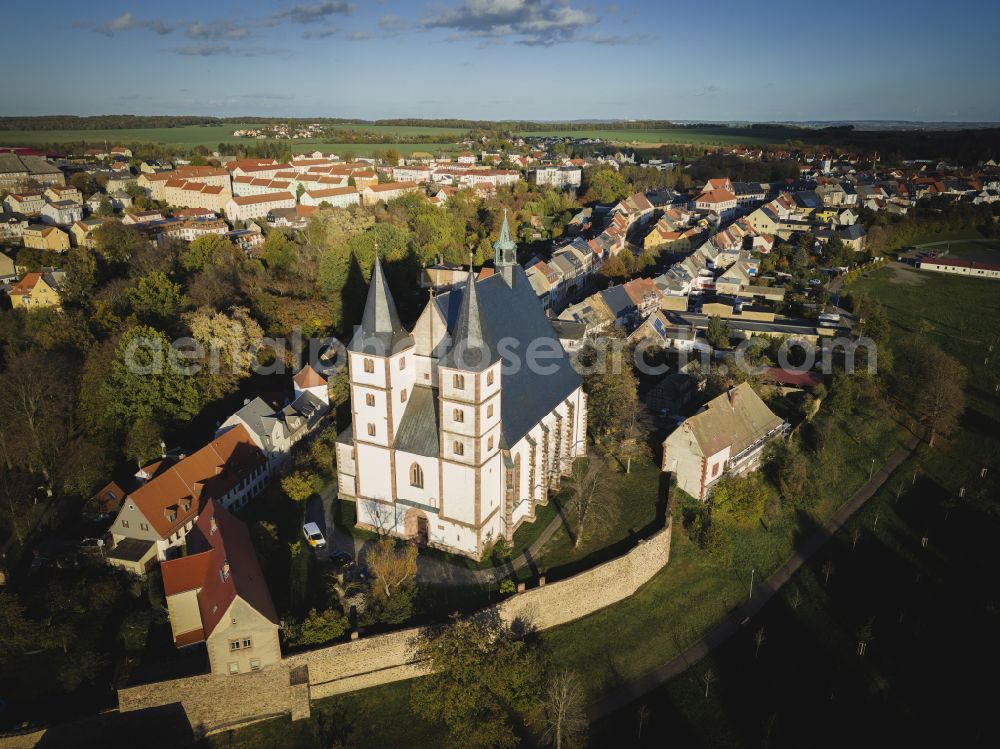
(418, 429)
(472, 346)
(513, 312)
(380, 326)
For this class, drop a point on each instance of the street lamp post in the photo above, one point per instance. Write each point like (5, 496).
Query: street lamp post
(752, 571)
(871, 470)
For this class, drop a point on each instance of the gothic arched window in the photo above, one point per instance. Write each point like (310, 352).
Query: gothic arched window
(417, 476)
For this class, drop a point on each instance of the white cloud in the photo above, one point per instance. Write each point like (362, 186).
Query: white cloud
(535, 22)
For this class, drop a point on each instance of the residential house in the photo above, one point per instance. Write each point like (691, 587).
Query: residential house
(276, 430)
(138, 218)
(37, 290)
(55, 193)
(18, 169)
(156, 517)
(41, 237)
(61, 213)
(337, 197)
(30, 204)
(247, 207)
(727, 437)
(12, 225)
(960, 266)
(186, 194)
(8, 271)
(558, 176)
(217, 594)
(388, 191)
(81, 232)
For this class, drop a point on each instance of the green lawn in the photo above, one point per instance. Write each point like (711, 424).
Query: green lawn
(922, 573)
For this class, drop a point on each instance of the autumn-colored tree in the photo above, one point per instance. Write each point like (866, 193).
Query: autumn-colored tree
(393, 567)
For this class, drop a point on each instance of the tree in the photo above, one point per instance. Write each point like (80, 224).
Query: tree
(279, 253)
(565, 711)
(741, 498)
(707, 677)
(144, 442)
(208, 249)
(81, 278)
(614, 267)
(115, 242)
(479, 674)
(156, 300)
(298, 486)
(32, 410)
(17, 632)
(605, 185)
(718, 332)
(758, 639)
(933, 382)
(631, 441)
(827, 570)
(393, 568)
(105, 209)
(594, 506)
(144, 383)
(232, 339)
(318, 628)
(611, 391)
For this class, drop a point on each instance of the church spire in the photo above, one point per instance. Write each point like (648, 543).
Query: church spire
(380, 326)
(505, 253)
(471, 347)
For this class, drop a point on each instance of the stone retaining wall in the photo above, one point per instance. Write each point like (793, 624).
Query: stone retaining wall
(212, 702)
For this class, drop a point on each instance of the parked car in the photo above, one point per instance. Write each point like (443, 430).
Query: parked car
(314, 536)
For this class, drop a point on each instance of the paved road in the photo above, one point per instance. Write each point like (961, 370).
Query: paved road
(764, 592)
(431, 568)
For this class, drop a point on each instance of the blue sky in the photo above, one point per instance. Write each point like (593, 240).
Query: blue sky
(491, 59)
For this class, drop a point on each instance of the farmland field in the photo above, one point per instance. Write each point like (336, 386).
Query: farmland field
(715, 136)
(212, 135)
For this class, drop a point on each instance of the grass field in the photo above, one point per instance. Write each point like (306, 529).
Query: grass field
(919, 587)
(709, 136)
(211, 136)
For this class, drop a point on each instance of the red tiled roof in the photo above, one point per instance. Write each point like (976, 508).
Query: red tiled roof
(26, 285)
(331, 192)
(781, 376)
(109, 497)
(220, 565)
(265, 198)
(392, 186)
(208, 473)
(307, 377)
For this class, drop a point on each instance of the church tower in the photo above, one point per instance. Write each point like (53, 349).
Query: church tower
(469, 395)
(505, 253)
(382, 374)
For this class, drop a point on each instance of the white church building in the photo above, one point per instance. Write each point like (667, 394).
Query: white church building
(460, 427)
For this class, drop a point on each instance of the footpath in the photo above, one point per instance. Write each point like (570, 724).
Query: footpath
(762, 593)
